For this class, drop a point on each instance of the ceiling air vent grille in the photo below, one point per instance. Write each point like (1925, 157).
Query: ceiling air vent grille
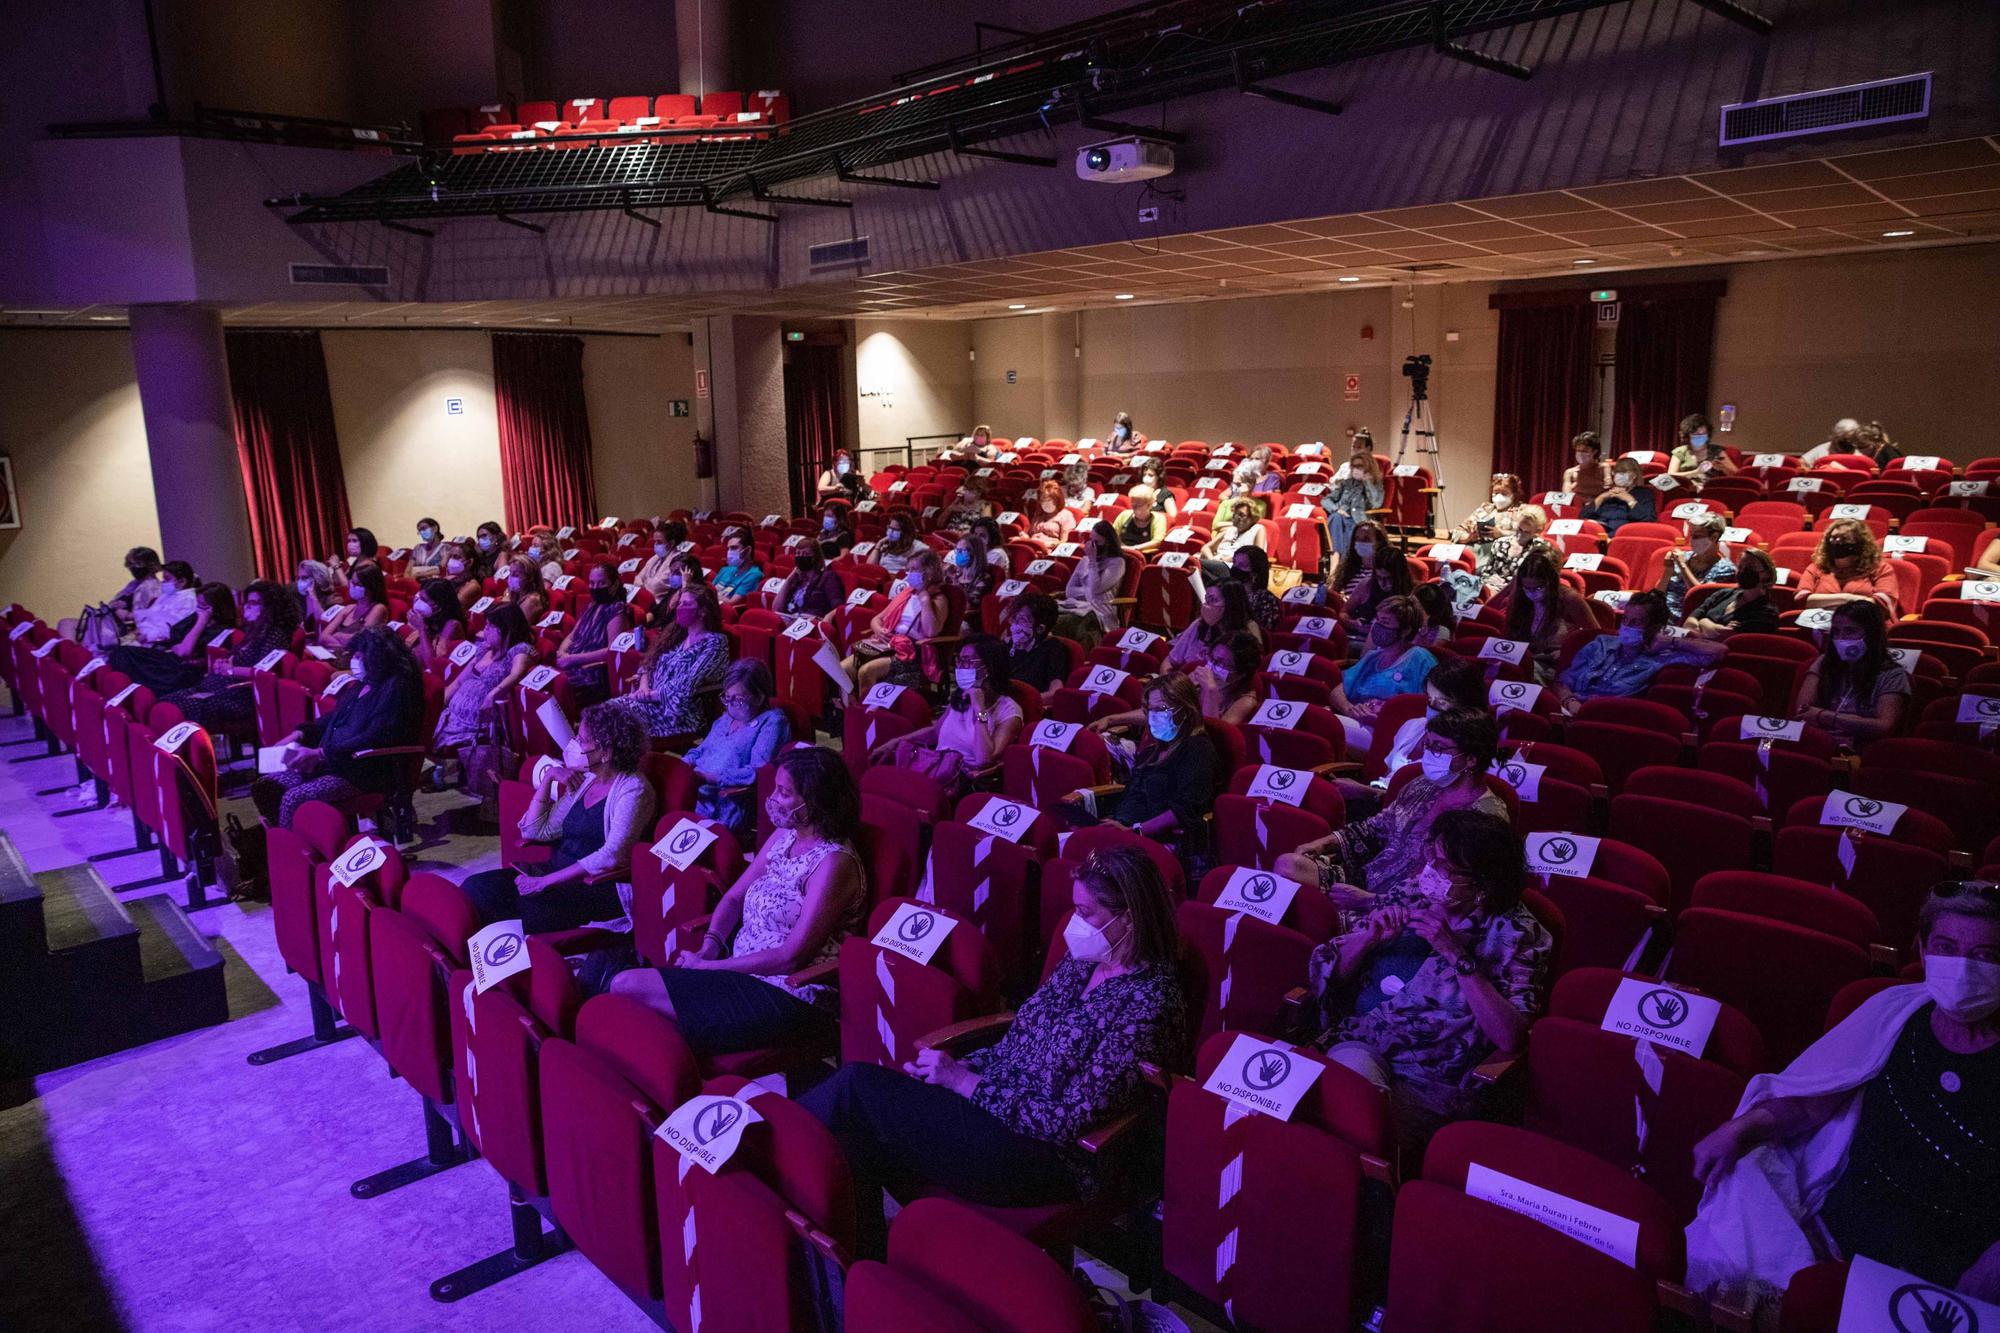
(836, 253)
(341, 275)
(1880, 103)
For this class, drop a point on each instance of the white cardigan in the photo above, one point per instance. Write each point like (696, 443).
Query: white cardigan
(1092, 585)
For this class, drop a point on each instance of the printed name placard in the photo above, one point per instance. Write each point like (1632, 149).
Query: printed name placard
(627, 540)
(684, 844)
(1105, 680)
(1805, 485)
(706, 1130)
(1301, 511)
(1690, 510)
(1980, 590)
(1301, 594)
(1313, 489)
(915, 932)
(1896, 545)
(1844, 809)
(1664, 483)
(27, 627)
(1316, 627)
(1769, 460)
(629, 566)
(1274, 783)
(119, 698)
(1404, 470)
(1011, 589)
(1566, 527)
(1208, 484)
(1613, 597)
(550, 621)
(482, 606)
(773, 586)
(1038, 567)
(859, 597)
(802, 628)
(1194, 506)
(399, 553)
(1446, 552)
(83, 672)
(176, 736)
(497, 952)
(1919, 463)
(1881, 1299)
(1217, 465)
(1282, 714)
(1067, 551)
(1011, 516)
(771, 520)
(1558, 499)
(1263, 1076)
(1258, 893)
(464, 653)
(1755, 726)
(1519, 695)
(216, 640)
(539, 678)
(1525, 778)
(337, 684)
(1289, 662)
(1512, 651)
(1003, 819)
(1180, 535)
(1820, 617)
(883, 695)
(1561, 854)
(1654, 1011)
(1967, 488)
(359, 860)
(1583, 560)
(1739, 537)
(1605, 1232)
(1312, 450)
(1055, 735)
(625, 642)
(1848, 511)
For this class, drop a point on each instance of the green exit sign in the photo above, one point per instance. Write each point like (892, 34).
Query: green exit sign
(1604, 294)
(794, 336)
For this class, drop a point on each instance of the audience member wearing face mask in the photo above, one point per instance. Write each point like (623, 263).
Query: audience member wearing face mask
(1588, 476)
(1391, 664)
(1375, 861)
(1746, 608)
(656, 571)
(524, 589)
(897, 543)
(688, 655)
(1372, 571)
(595, 808)
(366, 607)
(1422, 988)
(1357, 488)
(802, 894)
(178, 661)
(978, 723)
(586, 649)
(1854, 689)
(747, 735)
(842, 480)
(1455, 682)
(1223, 614)
(1849, 566)
(465, 739)
(814, 587)
(1085, 610)
(1692, 461)
(917, 610)
(742, 573)
(1175, 772)
(1495, 516)
(1886, 1132)
(1000, 1126)
(1543, 611)
(1629, 499)
(382, 709)
(1622, 665)
(1843, 438)
(169, 611)
(426, 560)
(1035, 656)
(219, 700)
(437, 624)
(1705, 561)
(142, 587)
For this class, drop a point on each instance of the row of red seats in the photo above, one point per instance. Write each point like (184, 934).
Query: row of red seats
(472, 129)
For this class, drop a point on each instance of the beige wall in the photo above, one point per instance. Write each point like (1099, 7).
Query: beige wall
(69, 419)
(1910, 339)
(642, 455)
(914, 377)
(404, 456)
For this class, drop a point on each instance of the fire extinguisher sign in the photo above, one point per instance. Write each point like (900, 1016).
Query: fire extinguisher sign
(701, 384)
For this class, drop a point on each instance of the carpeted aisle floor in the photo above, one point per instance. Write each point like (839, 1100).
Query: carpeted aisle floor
(174, 1187)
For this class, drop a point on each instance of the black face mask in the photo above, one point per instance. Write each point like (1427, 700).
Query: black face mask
(1842, 548)
(1749, 578)
(604, 596)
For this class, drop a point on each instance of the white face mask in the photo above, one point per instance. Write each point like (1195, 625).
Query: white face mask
(575, 756)
(1501, 500)
(1433, 883)
(1366, 550)
(967, 677)
(1437, 767)
(1085, 941)
(1966, 988)
(1626, 480)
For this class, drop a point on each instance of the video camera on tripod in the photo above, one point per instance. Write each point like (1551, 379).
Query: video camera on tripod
(1417, 369)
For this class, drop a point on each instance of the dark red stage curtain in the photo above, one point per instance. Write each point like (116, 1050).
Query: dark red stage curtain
(1664, 349)
(813, 384)
(545, 473)
(286, 445)
(1541, 397)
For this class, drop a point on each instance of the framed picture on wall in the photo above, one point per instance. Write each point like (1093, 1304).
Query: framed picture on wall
(10, 504)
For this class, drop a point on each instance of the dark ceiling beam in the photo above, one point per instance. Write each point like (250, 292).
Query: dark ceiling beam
(1740, 14)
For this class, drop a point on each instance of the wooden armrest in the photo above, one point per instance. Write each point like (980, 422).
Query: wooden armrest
(818, 974)
(1124, 601)
(818, 1239)
(1885, 958)
(1108, 1133)
(1292, 1011)
(1730, 1318)
(1599, 792)
(1158, 1075)
(1340, 768)
(1492, 1070)
(1655, 912)
(968, 1035)
(1101, 790)
(1378, 1169)
(391, 751)
(1958, 860)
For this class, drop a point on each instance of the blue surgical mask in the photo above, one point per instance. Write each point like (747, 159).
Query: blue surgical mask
(961, 558)
(913, 581)
(534, 553)
(1631, 636)
(827, 524)
(733, 557)
(1698, 439)
(1161, 724)
(427, 534)
(485, 543)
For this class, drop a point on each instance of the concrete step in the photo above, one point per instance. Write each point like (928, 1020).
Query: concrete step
(93, 972)
(22, 941)
(182, 972)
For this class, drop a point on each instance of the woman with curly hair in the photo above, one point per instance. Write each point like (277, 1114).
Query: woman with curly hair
(1848, 566)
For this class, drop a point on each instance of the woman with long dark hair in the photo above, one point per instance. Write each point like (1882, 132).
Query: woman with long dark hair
(367, 607)
(1854, 689)
(224, 697)
(383, 708)
(687, 656)
(437, 623)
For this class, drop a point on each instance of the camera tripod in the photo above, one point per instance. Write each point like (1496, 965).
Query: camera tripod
(1419, 425)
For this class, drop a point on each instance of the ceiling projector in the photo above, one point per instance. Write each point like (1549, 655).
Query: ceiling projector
(1120, 160)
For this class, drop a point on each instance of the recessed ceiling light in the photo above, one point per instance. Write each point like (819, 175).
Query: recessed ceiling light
(1017, 305)
(1122, 296)
(1892, 235)
(1350, 279)
(1583, 261)
(106, 319)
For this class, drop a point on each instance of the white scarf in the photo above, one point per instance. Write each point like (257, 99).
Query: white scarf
(1759, 1221)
